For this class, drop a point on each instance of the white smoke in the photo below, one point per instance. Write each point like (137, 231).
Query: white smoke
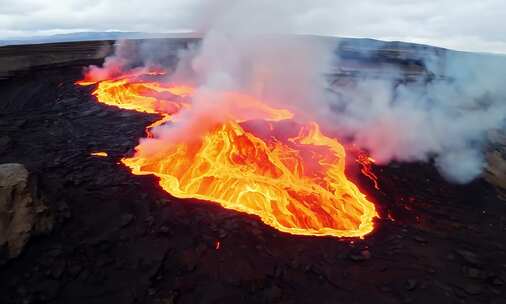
(445, 119)
(245, 50)
(442, 114)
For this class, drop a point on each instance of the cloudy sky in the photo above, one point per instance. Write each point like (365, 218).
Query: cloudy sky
(464, 25)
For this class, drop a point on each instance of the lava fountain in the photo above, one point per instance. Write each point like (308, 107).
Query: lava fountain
(258, 161)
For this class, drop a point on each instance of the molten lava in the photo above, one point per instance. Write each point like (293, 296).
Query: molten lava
(366, 162)
(99, 154)
(258, 160)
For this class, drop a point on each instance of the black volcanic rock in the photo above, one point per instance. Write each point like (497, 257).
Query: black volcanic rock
(118, 238)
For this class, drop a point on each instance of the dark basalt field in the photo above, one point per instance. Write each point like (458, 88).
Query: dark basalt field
(118, 238)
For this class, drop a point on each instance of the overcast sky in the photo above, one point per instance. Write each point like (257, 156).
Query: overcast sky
(458, 24)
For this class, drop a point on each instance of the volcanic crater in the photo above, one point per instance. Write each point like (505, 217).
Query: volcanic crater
(118, 237)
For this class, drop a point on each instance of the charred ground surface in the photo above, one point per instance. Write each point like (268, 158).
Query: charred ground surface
(119, 239)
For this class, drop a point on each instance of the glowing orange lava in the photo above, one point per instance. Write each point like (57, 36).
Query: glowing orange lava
(99, 154)
(366, 162)
(259, 161)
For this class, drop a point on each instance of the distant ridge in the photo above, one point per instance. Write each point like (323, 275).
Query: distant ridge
(93, 36)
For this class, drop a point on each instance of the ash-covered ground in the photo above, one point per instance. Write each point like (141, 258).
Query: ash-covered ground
(118, 238)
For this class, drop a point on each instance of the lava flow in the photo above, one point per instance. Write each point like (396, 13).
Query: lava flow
(258, 161)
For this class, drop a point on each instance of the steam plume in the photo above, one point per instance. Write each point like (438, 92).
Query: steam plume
(441, 114)
(445, 118)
